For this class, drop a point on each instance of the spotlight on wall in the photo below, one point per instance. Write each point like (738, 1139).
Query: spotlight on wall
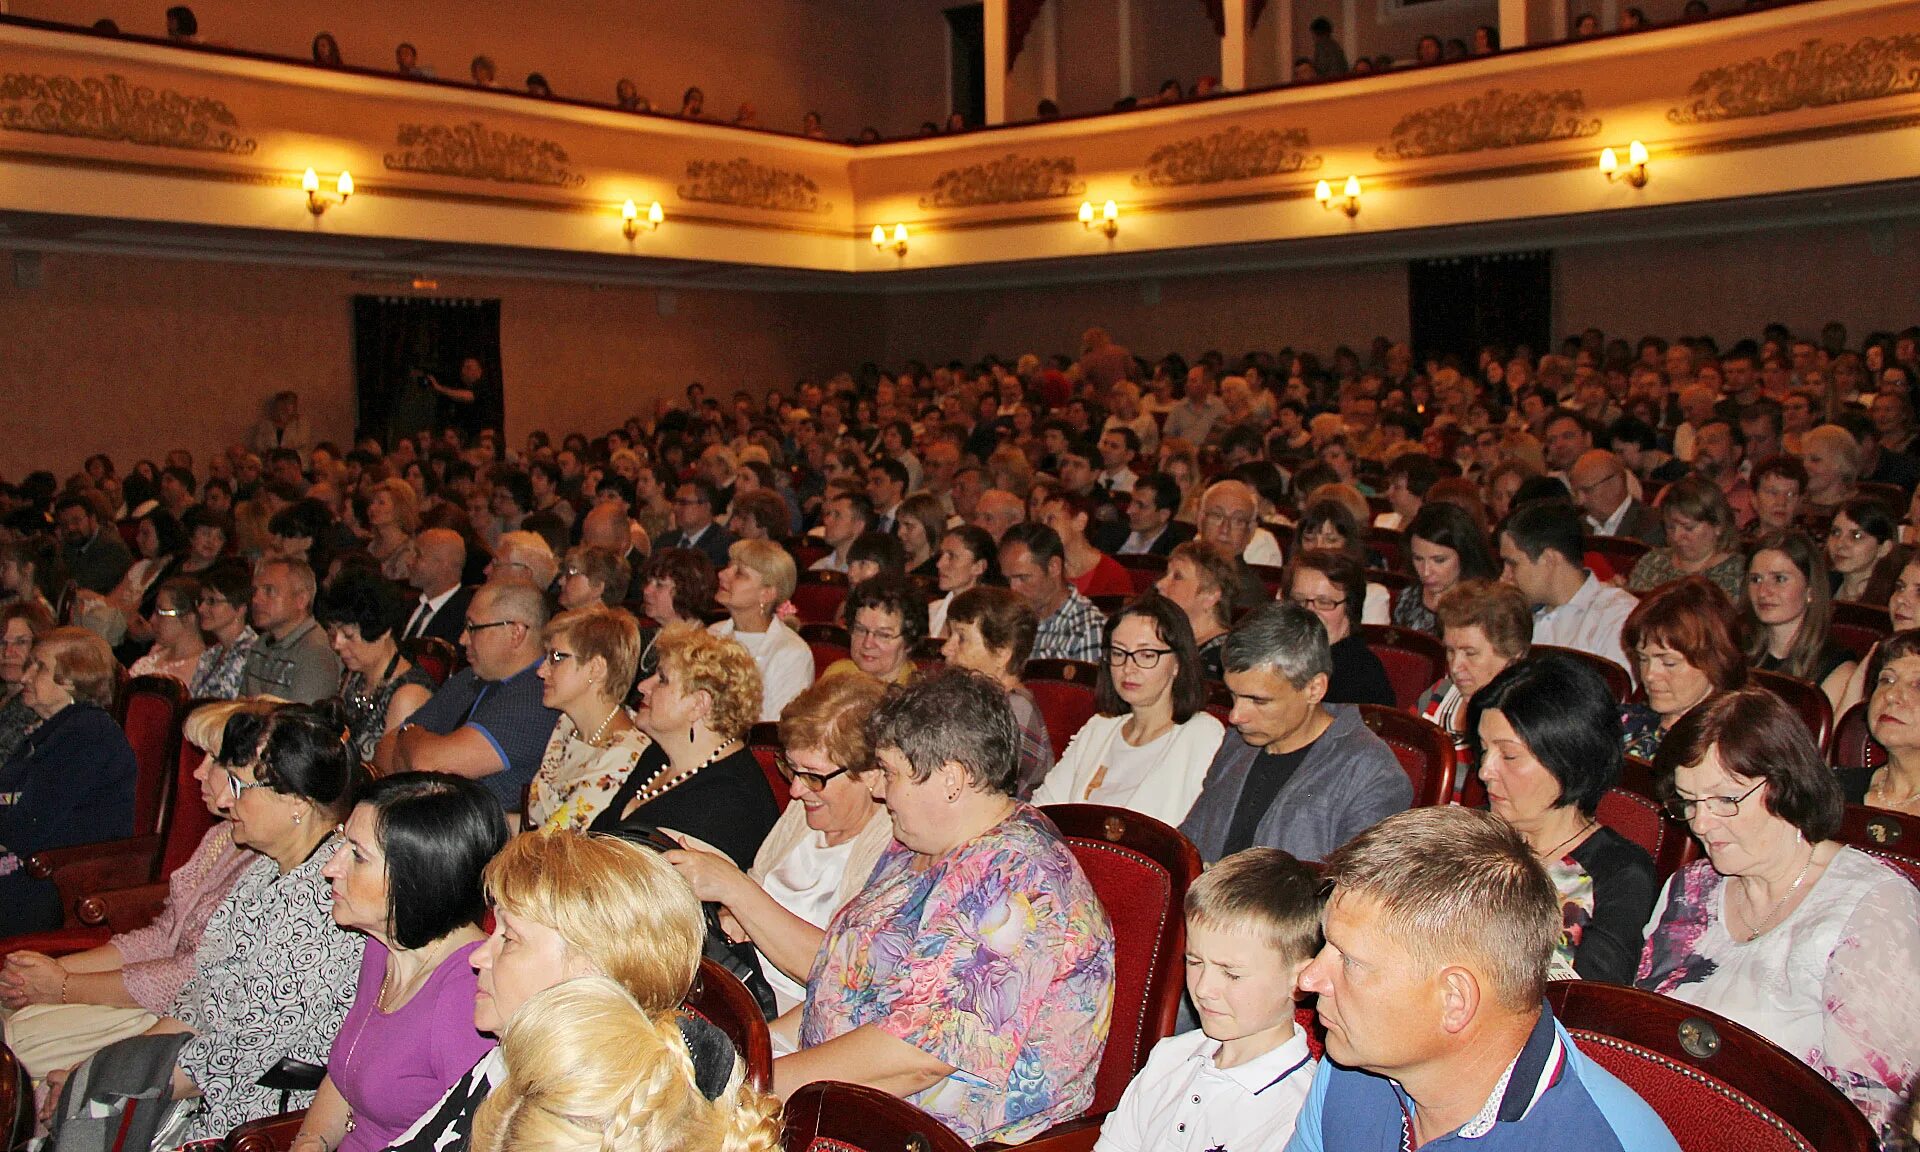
(1106, 221)
(1635, 172)
(630, 218)
(1348, 201)
(316, 203)
(898, 244)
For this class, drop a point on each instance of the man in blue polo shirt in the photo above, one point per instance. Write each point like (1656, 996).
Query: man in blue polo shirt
(487, 722)
(1432, 987)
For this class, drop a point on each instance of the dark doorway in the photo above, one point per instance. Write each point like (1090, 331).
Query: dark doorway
(1461, 304)
(967, 62)
(403, 345)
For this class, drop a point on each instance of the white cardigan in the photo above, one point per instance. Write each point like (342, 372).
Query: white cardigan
(1165, 794)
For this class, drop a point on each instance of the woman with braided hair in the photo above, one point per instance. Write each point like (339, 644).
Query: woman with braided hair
(589, 1070)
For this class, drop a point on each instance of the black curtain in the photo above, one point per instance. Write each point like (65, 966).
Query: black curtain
(1461, 304)
(398, 341)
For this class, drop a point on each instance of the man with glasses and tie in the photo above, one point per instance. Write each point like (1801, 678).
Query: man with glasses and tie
(1291, 773)
(693, 522)
(487, 722)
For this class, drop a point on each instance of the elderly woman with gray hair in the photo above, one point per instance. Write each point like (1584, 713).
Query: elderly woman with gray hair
(1292, 773)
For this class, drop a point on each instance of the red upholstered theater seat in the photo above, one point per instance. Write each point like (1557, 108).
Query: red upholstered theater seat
(1619, 683)
(1808, 702)
(1858, 627)
(1631, 809)
(1622, 552)
(1413, 660)
(763, 740)
(1064, 691)
(1892, 836)
(434, 656)
(818, 596)
(155, 707)
(1718, 1086)
(829, 643)
(828, 1116)
(1853, 744)
(721, 1000)
(1141, 869)
(1424, 751)
(1144, 569)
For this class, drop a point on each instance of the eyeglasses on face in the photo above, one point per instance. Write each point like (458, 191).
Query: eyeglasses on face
(238, 787)
(884, 635)
(474, 628)
(811, 781)
(1682, 808)
(1238, 521)
(1147, 658)
(1318, 603)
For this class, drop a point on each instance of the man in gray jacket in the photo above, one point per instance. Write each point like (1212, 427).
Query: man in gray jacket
(1292, 773)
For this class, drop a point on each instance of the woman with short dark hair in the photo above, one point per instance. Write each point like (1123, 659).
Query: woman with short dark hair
(1684, 641)
(886, 620)
(677, 586)
(1781, 928)
(363, 614)
(1152, 741)
(967, 558)
(1332, 586)
(991, 631)
(1548, 733)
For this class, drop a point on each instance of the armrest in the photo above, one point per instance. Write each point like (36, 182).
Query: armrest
(85, 869)
(59, 942)
(123, 909)
(267, 1134)
(1072, 1136)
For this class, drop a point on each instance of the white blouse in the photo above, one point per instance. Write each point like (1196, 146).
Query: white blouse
(785, 661)
(807, 884)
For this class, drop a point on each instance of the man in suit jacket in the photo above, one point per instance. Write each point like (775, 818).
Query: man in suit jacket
(439, 557)
(1153, 530)
(1599, 483)
(694, 525)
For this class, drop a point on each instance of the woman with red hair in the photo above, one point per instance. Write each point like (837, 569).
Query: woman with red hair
(1684, 641)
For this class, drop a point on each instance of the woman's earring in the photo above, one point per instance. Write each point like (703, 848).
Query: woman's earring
(299, 816)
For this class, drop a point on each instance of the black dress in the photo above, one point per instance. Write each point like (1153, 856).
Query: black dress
(727, 804)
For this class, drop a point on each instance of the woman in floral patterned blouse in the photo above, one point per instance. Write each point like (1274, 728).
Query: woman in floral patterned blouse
(593, 654)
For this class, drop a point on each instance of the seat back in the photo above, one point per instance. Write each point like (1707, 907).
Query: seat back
(828, 642)
(817, 598)
(1892, 836)
(190, 819)
(432, 655)
(155, 708)
(1413, 660)
(1619, 681)
(16, 1102)
(1063, 689)
(1623, 552)
(268, 1134)
(1143, 569)
(763, 740)
(718, 997)
(1808, 702)
(1853, 744)
(1140, 868)
(1714, 1083)
(1632, 809)
(1424, 750)
(1858, 627)
(829, 1116)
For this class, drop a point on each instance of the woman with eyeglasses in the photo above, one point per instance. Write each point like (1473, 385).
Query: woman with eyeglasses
(1333, 587)
(66, 1009)
(363, 614)
(1149, 747)
(592, 656)
(71, 781)
(1781, 928)
(888, 618)
(177, 643)
(221, 612)
(593, 575)
(21, 624)
(822, 848)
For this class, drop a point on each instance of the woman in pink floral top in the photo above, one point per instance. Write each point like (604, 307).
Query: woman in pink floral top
(973, 974)
(1810, 943)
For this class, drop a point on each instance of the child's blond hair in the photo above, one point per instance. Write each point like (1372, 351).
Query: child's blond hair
(1263, 891)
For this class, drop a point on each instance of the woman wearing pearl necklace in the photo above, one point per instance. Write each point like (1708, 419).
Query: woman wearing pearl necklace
(698, 779)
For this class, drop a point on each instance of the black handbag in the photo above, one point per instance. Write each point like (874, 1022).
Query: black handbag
(738, 958)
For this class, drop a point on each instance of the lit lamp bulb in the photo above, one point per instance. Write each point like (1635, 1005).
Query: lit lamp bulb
(1609, 162)
(880, 236)
(344, 185)
(1635, 171)
(1086, 213)
(316, 203)
(1107, 221)
(1348, 201)
(654, 215)
(1353, 189)
(1323, 192)
(898, 243)
(310, 183)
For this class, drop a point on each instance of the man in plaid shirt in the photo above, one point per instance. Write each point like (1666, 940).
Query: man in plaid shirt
(1034, 563)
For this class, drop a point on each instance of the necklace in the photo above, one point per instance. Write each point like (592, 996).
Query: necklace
(1767, 922)
(593, 741)
(660, 783)
(1554, 853)
(1881, 789)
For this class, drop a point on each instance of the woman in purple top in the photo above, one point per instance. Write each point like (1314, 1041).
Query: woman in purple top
(407, 874)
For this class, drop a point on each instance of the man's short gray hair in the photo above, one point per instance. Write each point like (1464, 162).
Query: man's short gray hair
(518, 601)
(1283, 636)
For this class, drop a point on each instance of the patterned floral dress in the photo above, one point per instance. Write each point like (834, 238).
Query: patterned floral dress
(577, 781)
(1833, 983)
(996, 959)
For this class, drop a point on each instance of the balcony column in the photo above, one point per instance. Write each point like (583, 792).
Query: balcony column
(1281, 13)
(1233, 46)
(1049, 28)
(1513, 23)
(994, 14)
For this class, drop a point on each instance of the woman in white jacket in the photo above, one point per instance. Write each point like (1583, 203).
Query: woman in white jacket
(1149, 747)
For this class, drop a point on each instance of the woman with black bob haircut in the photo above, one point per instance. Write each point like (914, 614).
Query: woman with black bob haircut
(1151, 744)
(363, 613)
(407, 875)
(1444, 548)
(1549, 741)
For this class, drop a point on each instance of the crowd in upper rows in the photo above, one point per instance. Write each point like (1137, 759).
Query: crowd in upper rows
(626, 608)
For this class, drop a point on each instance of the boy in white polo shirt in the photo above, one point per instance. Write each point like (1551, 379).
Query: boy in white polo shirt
(1237, 1082)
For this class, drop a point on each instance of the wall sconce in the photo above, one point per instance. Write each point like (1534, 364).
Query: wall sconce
(1348, 201)
(1107, 221)
(898, 243)
(316, 203)
(630, 218)
(1635, 173)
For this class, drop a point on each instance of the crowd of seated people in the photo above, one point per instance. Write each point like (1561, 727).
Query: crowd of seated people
(888, 564)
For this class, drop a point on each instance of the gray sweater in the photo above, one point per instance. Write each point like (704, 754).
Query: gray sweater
(1349, 781)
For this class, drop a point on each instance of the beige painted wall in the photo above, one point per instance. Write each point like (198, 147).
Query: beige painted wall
(135, 356)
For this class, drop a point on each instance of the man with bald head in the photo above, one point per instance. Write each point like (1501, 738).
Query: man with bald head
(487, 722)
(439, 556)
(998, 511)
(608, 526)
(1599, 483)
(1229, 519)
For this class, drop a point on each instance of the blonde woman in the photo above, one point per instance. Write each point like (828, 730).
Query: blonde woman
(393, 516)
(589, 1070)
(569, 907)
(758, 578)
(591, 657)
